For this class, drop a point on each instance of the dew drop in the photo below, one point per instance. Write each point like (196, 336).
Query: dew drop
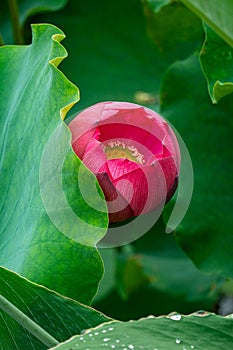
(192, 346)
(178, 341)
(111, 329)
(175, 317)
(104, 331)
(106, 339)
(201, 313)
(96, 333)
(131, 346)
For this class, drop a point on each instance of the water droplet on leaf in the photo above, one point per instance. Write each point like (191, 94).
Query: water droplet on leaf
(175, 317)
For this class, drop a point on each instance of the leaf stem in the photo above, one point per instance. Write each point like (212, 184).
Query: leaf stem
(27, 323)
(16, 27)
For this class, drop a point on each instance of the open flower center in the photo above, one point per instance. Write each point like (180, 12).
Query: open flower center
(118, 149)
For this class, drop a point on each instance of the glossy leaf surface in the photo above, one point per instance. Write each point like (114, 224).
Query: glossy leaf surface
(165, 333)
(59, 316)
(218, 15)
(48, 231)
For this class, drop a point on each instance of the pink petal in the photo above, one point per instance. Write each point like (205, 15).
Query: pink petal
(83, 127)
(95, 158)
(149, 188)
(118, 207)
(170, 171)
(119, 167)
(130, 132)
(130, 188)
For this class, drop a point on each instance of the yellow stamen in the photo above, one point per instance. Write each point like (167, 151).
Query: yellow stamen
(118, 149)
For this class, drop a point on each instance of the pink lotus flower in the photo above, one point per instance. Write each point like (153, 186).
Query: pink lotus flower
(132, 151)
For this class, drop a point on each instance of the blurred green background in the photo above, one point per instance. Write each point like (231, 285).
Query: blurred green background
(147, 52)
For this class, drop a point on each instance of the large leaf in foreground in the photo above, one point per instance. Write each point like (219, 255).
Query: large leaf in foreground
(48, 232)
(217, 14)
(217, 63)
(59, 316)
(205, 232)
(164, 333)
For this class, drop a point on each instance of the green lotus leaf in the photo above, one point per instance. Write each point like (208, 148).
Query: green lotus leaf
(217, 64)
(48, 230)
(197, 331)
(218, 15)
(204, 233)
(175, 30)
(59, 316)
